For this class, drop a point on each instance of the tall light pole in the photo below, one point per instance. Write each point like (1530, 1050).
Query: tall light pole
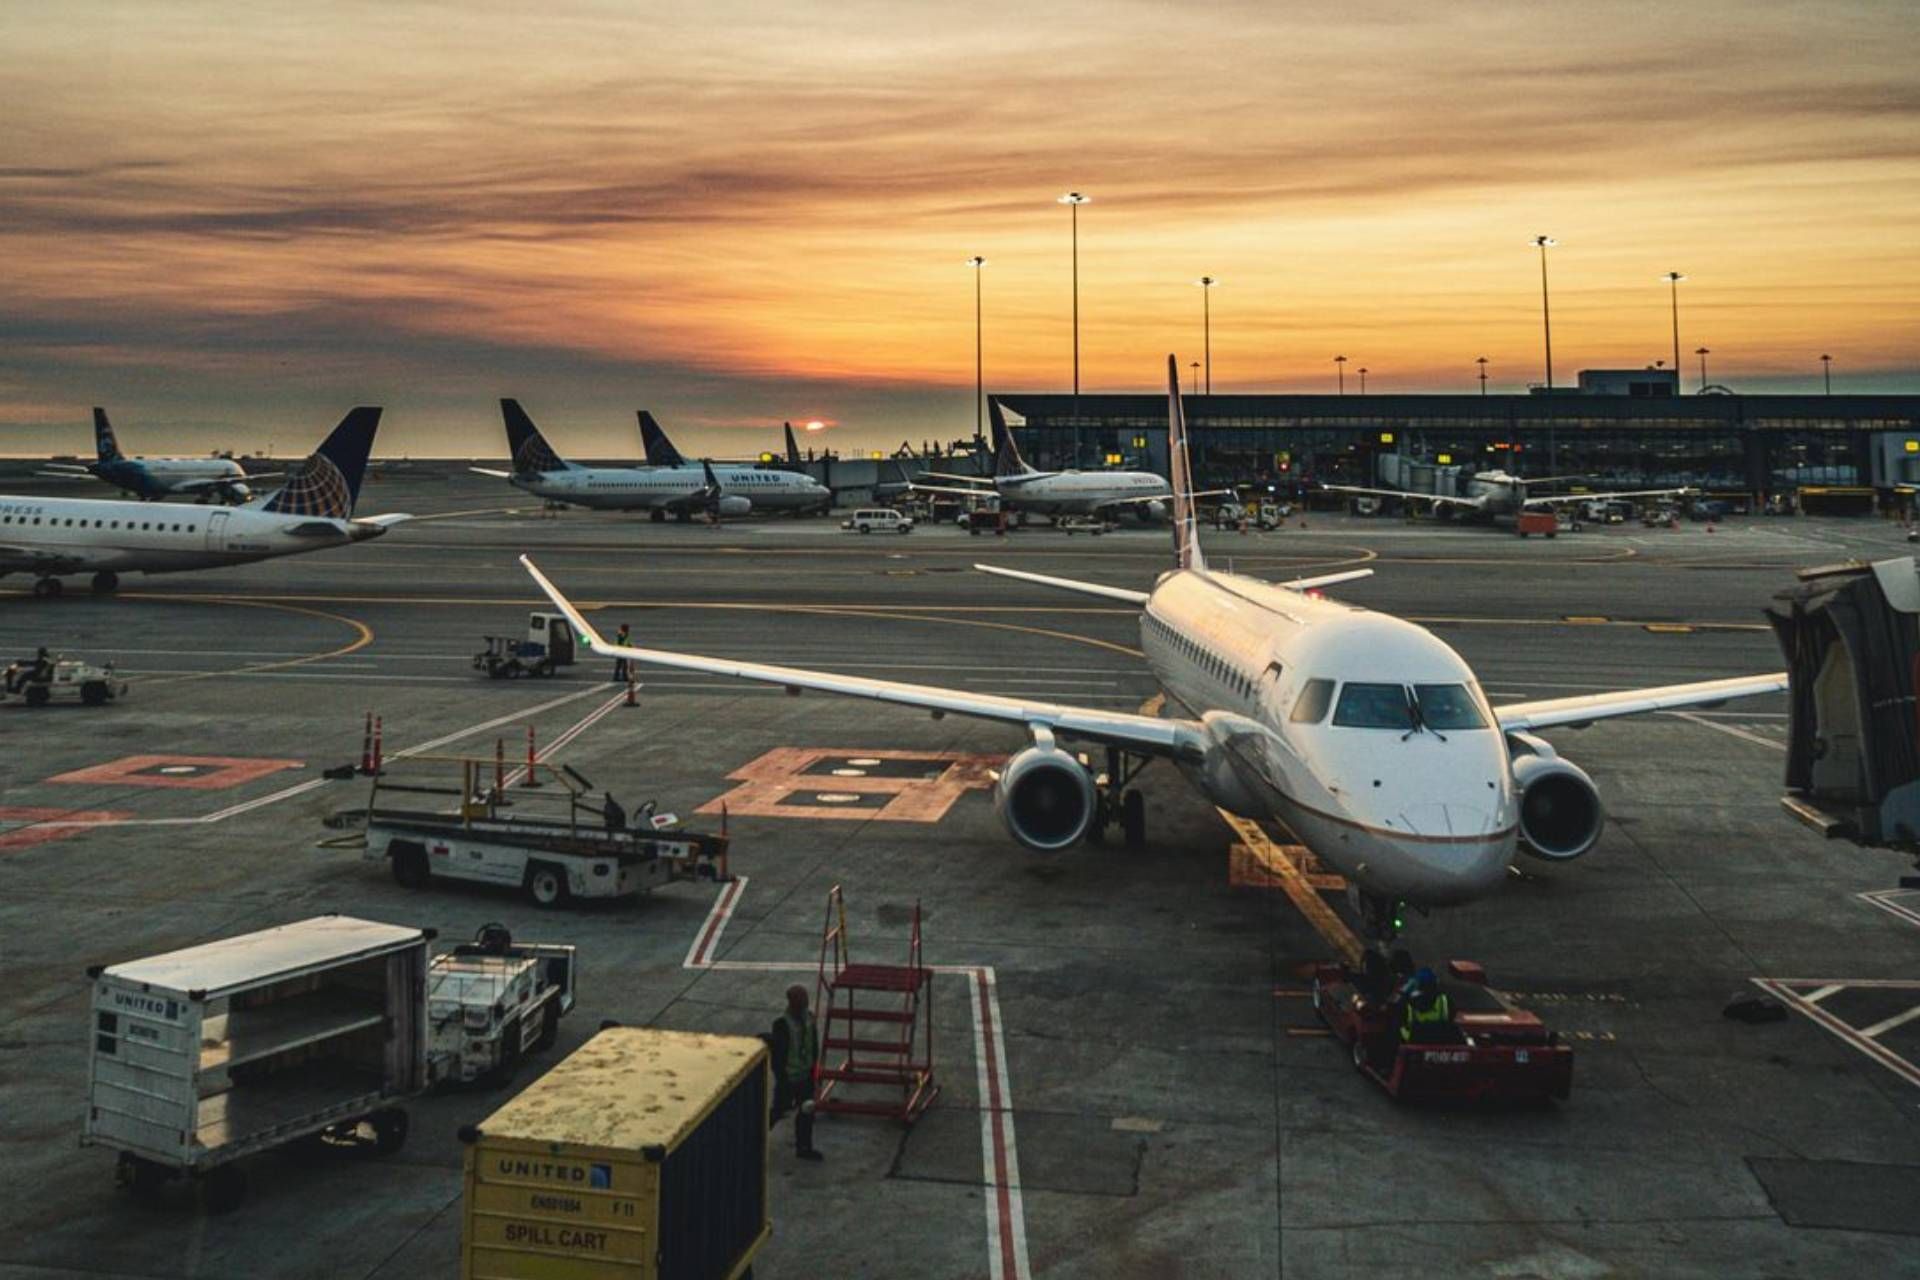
(1073, 200)
(979, 384)
(1544, 243)
(1826, 371)
(1363, 379)
(1482, 362)
(1206, 284)
(1340, 363)
(1703, 353)
(1673, 279)
(1195, 366)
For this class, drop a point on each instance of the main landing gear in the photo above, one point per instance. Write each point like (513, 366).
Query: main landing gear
(1118, 802)
(47, 587)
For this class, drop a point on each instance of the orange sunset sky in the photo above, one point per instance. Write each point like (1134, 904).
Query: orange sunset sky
(230, 222)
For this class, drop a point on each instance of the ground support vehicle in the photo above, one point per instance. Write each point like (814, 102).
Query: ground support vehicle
(37, 683)
(199, 1057)
(1492, 1051)
(1094, 525)
(1532, 522)
(878, 519)
(547, 646)
(492, 1001)
(546, 837)
(644, 1153)
(985, 520)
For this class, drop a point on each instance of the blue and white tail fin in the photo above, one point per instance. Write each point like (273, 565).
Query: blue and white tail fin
(1186, 521)
(1006, 454)
(327, 484)
(529, 450)
(793, 447)
(660, 450)
(103, 442)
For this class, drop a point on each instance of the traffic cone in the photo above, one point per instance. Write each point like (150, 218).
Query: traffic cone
(533, 758)
(631, 700)
(377, 770)
(366, 746)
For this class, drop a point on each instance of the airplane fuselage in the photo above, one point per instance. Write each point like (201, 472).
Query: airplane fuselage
(645, 488)
(82, 535)
(1080, 493)
(159, 477)
(1427, 814)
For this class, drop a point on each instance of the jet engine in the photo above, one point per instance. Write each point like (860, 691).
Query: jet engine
(734, 505)
(1046, 798)
(235, 493)
(1560, 812)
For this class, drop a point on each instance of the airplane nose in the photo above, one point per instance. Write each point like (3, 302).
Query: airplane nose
(1442, 819)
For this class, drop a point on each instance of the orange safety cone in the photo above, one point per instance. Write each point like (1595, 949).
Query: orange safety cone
(499, 766)
(631, 700)
(366, 746)
(1709, 526)
(532, 779)
(377, 770)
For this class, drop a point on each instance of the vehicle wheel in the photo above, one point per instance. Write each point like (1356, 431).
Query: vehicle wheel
(47, 587)
(105, 583)
(545, 669)
(549, 1026)
(389, 1130)
(547, 885)
(866, 528)
(37, 695)
(409, 865)
(223, 1189)
(1133, 818)
(93, 692)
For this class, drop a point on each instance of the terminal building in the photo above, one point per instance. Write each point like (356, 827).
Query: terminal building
(1615, 429)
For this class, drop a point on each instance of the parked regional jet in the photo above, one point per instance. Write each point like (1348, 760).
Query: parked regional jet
(208, 479)
(682, 490)
(50, 537)
(769, 489)
(1499, 494)
(1364, 734)
(1021, 488)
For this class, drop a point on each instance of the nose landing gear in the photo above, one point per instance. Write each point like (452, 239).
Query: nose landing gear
(105, 583)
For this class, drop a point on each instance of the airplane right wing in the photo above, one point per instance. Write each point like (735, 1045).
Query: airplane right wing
(914, 486)
(1438, 499)
(1560, 499)
(1067, 584)
(1148, 735)
(1583, 709)
(942, 475)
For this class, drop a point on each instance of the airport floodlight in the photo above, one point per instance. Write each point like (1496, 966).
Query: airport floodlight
(1074, 197)
(976, 261)
(1073, 200)
(1543, 242)
(1340, 364)
(1673, 279)
(979, 378)
(1206, 284)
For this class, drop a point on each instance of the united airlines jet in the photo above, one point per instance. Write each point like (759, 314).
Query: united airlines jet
(208, 479)
(52, 537)
(1363, 734)
(1020, 487)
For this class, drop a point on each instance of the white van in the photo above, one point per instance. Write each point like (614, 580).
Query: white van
(883, 519)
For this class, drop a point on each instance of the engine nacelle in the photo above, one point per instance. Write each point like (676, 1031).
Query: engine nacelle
(1561, 816)
(237, 493)
(734, 505)
(1046, 797)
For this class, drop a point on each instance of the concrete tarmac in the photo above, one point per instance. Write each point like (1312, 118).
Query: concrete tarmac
(1132, 1081)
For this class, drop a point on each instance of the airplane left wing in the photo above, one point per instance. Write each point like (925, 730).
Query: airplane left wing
(1438, 499)
(495, 472)
(1585, 709)
(386, 521)
(1148, 735)
(914, 486)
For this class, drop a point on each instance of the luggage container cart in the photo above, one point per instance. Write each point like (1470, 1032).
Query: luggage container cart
(206, 1055)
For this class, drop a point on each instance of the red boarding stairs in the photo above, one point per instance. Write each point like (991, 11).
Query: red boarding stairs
(880, 1017)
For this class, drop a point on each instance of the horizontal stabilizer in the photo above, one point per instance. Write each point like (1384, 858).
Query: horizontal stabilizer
(495, 472)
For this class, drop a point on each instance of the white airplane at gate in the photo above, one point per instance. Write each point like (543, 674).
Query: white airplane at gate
(1021, 488)
(1501, 494)
(1365, 735)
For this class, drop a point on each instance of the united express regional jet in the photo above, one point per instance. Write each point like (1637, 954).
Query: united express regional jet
(1363, 734)
(49, 537)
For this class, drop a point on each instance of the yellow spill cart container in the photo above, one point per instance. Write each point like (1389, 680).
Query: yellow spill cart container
(642, 1156)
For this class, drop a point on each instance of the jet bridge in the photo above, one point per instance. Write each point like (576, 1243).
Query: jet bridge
(1851, 637)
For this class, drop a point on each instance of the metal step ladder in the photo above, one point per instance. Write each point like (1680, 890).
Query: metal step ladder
(878, 1020)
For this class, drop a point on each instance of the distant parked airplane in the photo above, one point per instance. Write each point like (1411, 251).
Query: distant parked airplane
(789, 491)
(50, 537)
(1498, 493)
(1021, 488)
(208, 479)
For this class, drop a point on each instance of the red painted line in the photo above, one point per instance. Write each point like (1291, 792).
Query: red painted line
(721, 911)
(38, 826)
(1009, 1264)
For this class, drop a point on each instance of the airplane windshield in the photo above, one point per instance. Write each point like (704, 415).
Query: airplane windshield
(1448, 706)
(1373, 706)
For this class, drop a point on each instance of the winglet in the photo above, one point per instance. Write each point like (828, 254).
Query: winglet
(581, 626)
(660, 450)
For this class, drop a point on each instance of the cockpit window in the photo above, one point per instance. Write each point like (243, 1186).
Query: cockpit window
(1373, 706)
(1448, 706)
(1311, 706)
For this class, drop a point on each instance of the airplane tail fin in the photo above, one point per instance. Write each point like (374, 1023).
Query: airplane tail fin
(793, 447)
(327, 484)
(1006, 454)
(1186, 524)
(529, 449)
(660, 450)
(103, 442)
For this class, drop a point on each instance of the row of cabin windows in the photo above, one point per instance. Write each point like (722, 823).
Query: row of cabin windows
(650, 483)
(1213, 663)
(71, 523)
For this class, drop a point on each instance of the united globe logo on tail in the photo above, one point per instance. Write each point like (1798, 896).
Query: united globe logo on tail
(316, 489)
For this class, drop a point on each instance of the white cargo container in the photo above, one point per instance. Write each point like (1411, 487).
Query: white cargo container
(211, 1053)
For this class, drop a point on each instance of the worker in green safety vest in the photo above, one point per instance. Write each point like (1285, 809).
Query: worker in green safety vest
(1425, 1013)
(796, 1052)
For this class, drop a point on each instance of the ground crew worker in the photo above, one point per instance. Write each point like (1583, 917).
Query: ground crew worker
(621, 670)
(796, 1051)
(1425, 1013)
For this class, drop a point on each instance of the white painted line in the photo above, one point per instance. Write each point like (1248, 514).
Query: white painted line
(1884, 899)
(1782, 989)
(1885, 1025)
(1816, 997)
(1727, 729)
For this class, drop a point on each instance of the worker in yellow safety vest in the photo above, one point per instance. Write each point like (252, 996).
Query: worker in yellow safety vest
(796, 1051)
(1425, 1013)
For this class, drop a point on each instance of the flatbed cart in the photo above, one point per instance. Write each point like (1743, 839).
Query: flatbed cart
(37, 682)
(1492, 1051)
(545, 835)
